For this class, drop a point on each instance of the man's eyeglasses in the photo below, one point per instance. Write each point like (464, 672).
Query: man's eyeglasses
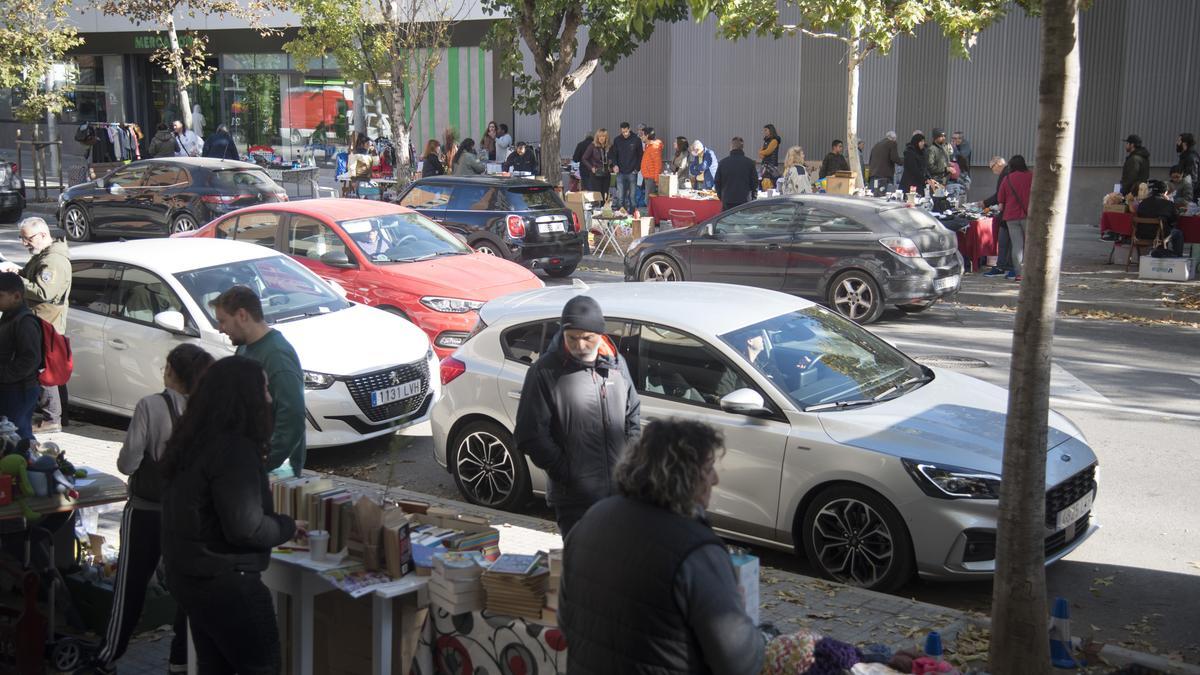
(30, 238)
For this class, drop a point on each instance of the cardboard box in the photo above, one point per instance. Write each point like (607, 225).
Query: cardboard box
(1115, 208)
(342, 634)
(839, 185)
(642, 227)
(576, 200)
(668, 185)
(1165, 269)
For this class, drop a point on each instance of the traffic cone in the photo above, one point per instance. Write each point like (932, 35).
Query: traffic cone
(1060, 635)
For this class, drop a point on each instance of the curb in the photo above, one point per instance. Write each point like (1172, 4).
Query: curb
(1122, 657)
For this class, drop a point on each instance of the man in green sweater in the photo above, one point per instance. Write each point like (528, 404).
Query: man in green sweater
(240, 316)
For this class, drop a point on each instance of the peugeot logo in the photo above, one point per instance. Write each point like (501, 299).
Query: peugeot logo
(1065, 458)
(395, 378)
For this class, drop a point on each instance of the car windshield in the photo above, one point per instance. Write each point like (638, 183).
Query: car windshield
(243, 178)
(533, 199)
(822, 361)
(402, 237)
(287, 289)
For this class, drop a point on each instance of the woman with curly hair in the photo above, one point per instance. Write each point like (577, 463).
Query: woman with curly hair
(650, 548)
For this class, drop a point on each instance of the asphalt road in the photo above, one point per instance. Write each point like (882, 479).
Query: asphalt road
(1134, 390)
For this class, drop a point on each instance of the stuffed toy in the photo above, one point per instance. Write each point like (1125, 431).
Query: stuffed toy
(16, 466)
(54, 476)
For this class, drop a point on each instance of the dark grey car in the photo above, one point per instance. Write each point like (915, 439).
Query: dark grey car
(855, 255)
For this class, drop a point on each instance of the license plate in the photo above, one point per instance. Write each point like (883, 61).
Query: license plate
(946, 283)
(552, 227)
(397, 393)
(1075, 511)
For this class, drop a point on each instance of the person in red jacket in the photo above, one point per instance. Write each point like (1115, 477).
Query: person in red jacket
(1013, 197)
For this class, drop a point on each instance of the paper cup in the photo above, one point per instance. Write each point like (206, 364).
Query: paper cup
(318, 545)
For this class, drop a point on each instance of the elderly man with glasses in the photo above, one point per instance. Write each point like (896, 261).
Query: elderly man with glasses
(47, 278)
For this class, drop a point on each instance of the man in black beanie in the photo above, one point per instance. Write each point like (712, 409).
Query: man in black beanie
(578, 410)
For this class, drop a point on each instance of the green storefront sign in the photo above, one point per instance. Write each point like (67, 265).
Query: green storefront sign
(152, 42)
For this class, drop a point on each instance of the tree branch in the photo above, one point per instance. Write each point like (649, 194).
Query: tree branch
(793, 29)
(567, 42)
(525, 28)
(591, 58)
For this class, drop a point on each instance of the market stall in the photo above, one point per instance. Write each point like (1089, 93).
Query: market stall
(1122, 224)
(976, 241)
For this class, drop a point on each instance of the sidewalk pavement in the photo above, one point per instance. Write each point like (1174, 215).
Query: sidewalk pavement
(789, 601)
(1089, 287)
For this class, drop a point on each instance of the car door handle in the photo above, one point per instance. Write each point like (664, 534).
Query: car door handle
(515, 394)
(118, 344)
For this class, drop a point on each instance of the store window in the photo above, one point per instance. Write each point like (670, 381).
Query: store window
(253, 112)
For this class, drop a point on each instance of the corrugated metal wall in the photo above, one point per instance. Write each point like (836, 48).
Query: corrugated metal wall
(1160, 61)
(1141, 74)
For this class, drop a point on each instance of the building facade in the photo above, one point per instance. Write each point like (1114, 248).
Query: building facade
(1140, 74)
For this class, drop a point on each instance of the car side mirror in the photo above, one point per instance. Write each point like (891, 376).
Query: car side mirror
(173, 321)
(744, 402)
(709, 231)
(337, 259)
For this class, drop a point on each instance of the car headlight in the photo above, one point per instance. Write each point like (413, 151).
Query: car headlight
(953, 482)
(62, 198)
(634, 244)
(313, 380)
(450, 305)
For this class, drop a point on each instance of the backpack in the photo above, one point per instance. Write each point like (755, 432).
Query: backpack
(148, 481)
(85, 134)
(57, 361)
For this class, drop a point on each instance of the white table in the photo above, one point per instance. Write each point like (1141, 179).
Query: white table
(292, 575)
(608, 235)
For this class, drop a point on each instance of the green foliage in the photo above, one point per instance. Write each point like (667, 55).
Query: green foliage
(377, 42)
(875, 24)
(549, 29)
(34, 34)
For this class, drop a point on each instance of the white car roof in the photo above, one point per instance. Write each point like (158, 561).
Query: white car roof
(712, 308)
(171, 256)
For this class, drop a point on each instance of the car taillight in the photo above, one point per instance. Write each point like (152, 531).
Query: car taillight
(219, 199)
(516, 227)
(575, 220)
(451, 368)
(901, 246)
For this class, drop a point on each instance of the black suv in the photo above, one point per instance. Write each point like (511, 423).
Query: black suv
(518, 219)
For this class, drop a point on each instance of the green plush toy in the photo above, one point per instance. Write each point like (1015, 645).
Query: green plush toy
(15, 465)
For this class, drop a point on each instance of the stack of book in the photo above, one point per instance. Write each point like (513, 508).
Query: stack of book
(516, 586)
(550, 611)
(456, 583)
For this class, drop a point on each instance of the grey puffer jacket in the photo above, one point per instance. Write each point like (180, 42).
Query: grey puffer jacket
(574, 421)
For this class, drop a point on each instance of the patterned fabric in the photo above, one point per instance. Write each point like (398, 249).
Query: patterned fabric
(483, 643)
(790, 654)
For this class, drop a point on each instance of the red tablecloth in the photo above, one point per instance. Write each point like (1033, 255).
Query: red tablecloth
(1122, 223)
(977, 242)
(661, 209)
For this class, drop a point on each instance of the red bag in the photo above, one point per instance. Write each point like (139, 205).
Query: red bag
(57, 361)
(953, 170)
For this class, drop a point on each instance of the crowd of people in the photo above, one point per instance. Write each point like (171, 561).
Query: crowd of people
(198, 456)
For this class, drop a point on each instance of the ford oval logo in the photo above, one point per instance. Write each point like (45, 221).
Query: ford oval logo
(1065, 458)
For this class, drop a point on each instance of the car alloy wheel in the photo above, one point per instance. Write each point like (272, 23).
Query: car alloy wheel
(661, 268)
(184, 222)
(487, 469)
(486, 249)
(855, 537)
(855, 295)
(75, 222)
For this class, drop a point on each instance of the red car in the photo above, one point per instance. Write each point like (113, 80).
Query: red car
(385, 256)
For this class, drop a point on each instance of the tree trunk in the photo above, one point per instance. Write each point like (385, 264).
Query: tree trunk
(185, 103)
(404, 170)
(853, 66)
(400, 124)
(1019, 609)
(550, 111)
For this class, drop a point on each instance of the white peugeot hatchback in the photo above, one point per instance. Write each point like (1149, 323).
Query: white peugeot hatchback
(837, 444)
(366, 372)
